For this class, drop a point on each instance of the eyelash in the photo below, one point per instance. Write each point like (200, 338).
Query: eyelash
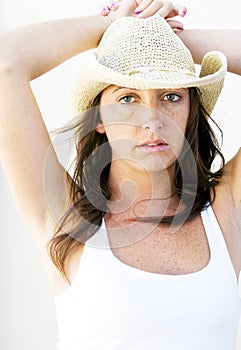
(177, 97)
(165, 98)
(172, 94)
(123, 97)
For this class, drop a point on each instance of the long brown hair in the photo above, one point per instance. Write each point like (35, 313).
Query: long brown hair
(89, 190)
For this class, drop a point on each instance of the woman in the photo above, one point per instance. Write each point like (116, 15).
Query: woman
(143, 183)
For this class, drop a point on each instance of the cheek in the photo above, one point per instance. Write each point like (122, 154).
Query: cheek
(180, 118)
(176, 126)
(121, 114)
(122, 140)
(175, 132)
(120, 131)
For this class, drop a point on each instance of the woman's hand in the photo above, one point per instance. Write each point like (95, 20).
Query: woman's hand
(145, 9)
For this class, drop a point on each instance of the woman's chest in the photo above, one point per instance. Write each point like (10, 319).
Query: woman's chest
(161, 250)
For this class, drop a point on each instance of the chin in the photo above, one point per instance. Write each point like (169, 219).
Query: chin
(155, 166)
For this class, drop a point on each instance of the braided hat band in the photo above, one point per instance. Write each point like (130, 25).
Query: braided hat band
(147, 54)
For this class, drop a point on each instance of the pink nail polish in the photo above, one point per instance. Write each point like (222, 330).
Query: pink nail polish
(104, 11)
(184, 12)
(137, 12)
(112, 6)
(179, 28)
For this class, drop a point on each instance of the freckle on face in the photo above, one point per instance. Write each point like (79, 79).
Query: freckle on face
(178, 114)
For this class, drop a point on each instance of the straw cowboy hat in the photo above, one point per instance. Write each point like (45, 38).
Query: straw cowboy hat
(146, 54)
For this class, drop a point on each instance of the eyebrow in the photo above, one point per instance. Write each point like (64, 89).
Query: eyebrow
(128, 88)
(121, 88)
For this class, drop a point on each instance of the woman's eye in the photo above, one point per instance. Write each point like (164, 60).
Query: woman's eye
(127, 99)
(172, 97)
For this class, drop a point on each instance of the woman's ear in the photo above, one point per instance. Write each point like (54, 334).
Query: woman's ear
(100, 128)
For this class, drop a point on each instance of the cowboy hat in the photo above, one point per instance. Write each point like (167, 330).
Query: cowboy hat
(146, 54)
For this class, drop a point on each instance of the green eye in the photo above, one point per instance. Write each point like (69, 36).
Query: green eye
(127, 99)
(172, 97)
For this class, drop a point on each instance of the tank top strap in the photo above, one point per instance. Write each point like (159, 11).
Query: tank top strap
(217, 245)
(97, 248)
(100, 238)
(111, 305)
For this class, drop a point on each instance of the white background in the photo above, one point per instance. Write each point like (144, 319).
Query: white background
(27, 317)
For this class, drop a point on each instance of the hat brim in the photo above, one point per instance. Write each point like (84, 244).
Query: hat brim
(96, 77)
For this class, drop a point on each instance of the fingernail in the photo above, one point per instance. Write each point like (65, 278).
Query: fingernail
(179, 28)
(184, 12)
(137, 12)
(113, 6)
(104, 11)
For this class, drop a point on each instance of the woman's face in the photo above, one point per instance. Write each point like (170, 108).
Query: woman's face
(145, 128)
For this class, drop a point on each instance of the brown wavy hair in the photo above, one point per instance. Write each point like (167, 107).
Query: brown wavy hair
(89, 189)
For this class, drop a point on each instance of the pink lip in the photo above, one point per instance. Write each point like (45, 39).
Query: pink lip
(156, 145)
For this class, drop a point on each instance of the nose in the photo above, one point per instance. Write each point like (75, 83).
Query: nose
(153, 120)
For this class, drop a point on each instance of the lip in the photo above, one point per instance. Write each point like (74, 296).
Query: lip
(154, 145)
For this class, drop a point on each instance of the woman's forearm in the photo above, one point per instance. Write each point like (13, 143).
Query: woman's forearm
(37, 48)
(200, 41)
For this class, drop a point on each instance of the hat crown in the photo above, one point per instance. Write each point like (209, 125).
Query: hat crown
(133, 45)
(146, 54)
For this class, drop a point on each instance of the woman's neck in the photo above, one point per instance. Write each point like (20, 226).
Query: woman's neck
(134, 189)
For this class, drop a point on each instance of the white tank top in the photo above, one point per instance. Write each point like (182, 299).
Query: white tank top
(112, 306)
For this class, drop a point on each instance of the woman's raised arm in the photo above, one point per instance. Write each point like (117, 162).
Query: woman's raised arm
(228, 41)
(34, 49)
(25, 54)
